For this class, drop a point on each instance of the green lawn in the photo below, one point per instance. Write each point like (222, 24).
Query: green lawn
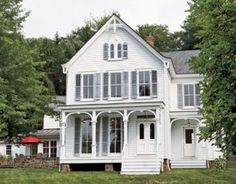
(51, 176)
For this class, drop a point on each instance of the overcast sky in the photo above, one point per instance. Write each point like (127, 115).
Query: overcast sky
(50, 16)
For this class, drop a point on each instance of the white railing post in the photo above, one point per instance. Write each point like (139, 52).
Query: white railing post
(94, 122)
(125, 120)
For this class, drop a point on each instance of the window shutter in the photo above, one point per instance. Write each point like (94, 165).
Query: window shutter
(197, 94)
(105, 51)
(134, 84)
(77, 135)
(97, 87)
(154, 83)
(125, 85)
(78, 87)
(105, 86)
(180, 96)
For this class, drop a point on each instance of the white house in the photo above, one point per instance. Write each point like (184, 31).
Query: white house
(129, 105)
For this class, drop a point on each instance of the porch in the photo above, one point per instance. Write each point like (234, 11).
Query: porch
(114, 136)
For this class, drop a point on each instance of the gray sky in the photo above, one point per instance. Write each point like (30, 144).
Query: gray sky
(49, 16)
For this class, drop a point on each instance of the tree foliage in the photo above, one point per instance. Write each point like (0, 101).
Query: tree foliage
(216, 20)
(25, 92)
(164, 39)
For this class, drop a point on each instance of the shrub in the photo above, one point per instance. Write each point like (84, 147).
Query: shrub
(220, 164)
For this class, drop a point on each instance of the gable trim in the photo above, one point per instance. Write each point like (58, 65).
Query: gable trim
(164, 59)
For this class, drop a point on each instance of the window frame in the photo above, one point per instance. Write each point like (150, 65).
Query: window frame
(107, 51)
(49, 147)
(110, 85)
(194, 95)
(9, 149)
(82, 86)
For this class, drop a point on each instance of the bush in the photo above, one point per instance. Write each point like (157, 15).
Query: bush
(220, 164)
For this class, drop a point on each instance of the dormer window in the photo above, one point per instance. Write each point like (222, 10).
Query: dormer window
(115, 51)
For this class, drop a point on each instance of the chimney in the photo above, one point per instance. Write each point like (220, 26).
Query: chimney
(150, 39)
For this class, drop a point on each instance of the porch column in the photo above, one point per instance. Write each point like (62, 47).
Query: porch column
(63, 131)
(125, 120)
(158, 129)
(94, 122)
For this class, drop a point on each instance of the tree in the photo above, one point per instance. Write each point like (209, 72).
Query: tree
(164, 40)
(216, 20)
(187, 39)
(25, 90)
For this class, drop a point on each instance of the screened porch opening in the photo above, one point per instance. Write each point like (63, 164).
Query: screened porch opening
(109, 135)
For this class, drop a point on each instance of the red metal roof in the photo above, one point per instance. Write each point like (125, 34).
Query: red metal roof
(30, 140)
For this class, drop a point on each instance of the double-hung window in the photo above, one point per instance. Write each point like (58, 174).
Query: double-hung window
(115, 85)
(191, 94)
(88, 86)
(144, 83)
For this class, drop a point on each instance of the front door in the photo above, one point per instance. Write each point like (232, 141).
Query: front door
(189, 142)
(146, 142)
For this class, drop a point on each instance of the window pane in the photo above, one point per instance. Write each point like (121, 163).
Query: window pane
(188, 136)
(119, 51)
(152, 131)
(141, 77)
(113, 78)
(125, 50)
(141, 131)
(86, 136)
(112, 51)
(191, 89)
(85, 77)
(186, 101)
(186, 89)
(77, 135)
(197, 100)
(191, 100)
(147, 77)
(105, 135)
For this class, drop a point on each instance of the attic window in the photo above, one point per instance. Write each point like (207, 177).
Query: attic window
(115, 51)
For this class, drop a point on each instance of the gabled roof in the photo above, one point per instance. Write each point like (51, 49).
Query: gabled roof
(120, 23)
(180, 60)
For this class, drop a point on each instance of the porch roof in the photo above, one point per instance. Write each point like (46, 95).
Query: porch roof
(114, 105)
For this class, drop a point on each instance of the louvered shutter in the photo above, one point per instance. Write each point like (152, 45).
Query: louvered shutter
(125, 85)
(180, 96)
(154, 83)
(78, 87)
(105, 51)
(105, 86)
(97, 86)
(134, 84)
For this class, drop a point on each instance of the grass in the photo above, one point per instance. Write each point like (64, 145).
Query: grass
(182, 176)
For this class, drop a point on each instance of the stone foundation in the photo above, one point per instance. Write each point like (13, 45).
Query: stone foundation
(38, 161)
(109, 167)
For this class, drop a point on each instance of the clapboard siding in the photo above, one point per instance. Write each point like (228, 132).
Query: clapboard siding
(92, 61)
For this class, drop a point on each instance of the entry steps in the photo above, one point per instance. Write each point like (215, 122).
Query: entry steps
(133, 166)
(188, 164)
